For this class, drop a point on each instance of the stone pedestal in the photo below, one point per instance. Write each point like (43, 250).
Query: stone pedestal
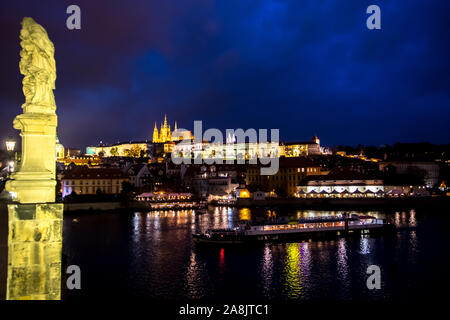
(34, 251)
(35, 180)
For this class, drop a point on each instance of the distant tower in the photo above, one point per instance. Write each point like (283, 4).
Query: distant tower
(161, 133)
(59, 149)
(231, 138)
(175, 130)
(315, 139)
(164, 133)
(155, 134)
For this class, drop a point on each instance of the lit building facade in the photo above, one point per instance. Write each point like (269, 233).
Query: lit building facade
(232, 150)
(90, 181)
(349, 184)
(340, 185)
(121, 149)
(168, 141)
(81, 160)
(297, 149)
(289, 175)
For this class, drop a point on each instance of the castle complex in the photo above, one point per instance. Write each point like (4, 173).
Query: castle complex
(168, 140)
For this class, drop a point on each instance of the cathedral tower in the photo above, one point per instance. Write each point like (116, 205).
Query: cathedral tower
(155, 134)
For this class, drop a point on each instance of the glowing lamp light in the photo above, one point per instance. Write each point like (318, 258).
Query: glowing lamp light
(10, 144)
(244, 194)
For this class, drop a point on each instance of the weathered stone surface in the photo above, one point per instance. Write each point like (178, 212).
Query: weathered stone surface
(45, 226)
(16, 277)
(49, 211)
(34, 252)
(26, 212)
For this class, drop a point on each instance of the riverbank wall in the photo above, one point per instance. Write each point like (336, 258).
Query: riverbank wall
(297, 203)
(347, 203)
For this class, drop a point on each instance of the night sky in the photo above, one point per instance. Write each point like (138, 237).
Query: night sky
(305, 67)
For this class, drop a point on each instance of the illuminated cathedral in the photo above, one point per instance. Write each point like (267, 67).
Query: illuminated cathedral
(165, 133)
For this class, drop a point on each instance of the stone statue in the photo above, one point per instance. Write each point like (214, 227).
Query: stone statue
(37, 64)
(35, 180)
(34, 219)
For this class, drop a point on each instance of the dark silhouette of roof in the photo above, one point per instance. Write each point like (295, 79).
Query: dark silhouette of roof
(341, 174)
(296, 162)
(94, 173)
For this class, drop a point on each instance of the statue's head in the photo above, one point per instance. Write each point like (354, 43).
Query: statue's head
(27, 27)
(33, 32)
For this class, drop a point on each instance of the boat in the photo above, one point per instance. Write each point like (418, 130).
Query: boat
(308, 228)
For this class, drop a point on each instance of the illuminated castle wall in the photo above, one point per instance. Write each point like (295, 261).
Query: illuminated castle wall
(143, 148)
(121, 149)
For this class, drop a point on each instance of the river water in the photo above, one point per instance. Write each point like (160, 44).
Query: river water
(151, 256)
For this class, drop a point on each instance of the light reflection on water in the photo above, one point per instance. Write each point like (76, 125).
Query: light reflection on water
(267, 270)
(293, 285)
(364, 245)
(155, 258)
(341, 258)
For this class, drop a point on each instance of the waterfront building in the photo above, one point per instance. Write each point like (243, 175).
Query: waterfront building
(430, 169)
(243, 193)
(340, 183)
(213, 187)
(221, 187)
(139, 174)
(168, 200)
(163, 196)
(217, 182)
(90, 181)
(291, 172)
(401, 191)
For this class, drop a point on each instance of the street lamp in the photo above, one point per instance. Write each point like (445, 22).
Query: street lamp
(10, 144)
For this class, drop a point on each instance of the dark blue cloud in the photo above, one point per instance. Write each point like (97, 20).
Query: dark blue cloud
(302, 66)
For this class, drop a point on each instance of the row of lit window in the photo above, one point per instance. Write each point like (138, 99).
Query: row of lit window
(304, 226)
(92, 190)
(94, 182)
(288, 170)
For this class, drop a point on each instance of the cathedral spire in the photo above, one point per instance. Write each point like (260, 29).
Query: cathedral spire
(165, 121)
(155, 134)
